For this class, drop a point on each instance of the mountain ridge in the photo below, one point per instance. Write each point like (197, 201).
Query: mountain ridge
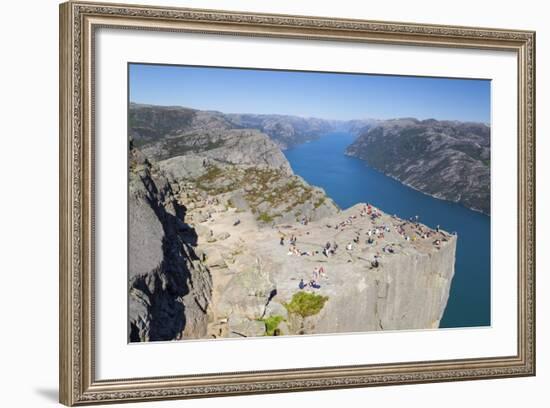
(449, 160)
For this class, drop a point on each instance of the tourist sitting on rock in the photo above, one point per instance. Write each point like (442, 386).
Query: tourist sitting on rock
(313, 284)
(302, 284)
(375, 263)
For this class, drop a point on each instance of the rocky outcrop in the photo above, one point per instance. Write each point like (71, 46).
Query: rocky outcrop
(272, 195)
(399, 280)
(447, 160)
(169, 287)
(242, 147)
(409, 290)
(211, 219)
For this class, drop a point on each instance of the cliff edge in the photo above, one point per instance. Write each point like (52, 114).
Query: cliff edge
(225, 241)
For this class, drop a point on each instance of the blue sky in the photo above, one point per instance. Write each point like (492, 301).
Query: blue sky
(311, 94)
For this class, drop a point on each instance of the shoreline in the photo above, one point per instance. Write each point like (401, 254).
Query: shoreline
(477, 210)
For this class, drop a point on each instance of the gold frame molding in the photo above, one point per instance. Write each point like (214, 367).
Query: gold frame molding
(78, 22)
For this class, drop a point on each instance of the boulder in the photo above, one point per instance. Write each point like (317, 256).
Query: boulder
(222, 236)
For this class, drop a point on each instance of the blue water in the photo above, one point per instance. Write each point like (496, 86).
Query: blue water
(348, 180)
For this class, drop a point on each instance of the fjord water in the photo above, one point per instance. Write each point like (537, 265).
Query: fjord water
(348, 181)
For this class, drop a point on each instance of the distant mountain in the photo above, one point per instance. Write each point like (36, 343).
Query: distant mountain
(286, 131)
(169, 128)
(446, 159)
(359, 126)
(164, 131)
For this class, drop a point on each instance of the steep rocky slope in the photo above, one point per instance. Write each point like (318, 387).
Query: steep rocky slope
(169, 287)
(448, 160)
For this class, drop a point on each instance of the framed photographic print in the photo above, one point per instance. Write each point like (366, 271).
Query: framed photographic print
(256, 203)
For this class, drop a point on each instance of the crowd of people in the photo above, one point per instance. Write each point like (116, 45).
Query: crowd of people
(409, 230)
(418, 231)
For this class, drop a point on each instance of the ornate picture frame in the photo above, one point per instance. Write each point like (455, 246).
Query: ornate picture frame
(78, 24)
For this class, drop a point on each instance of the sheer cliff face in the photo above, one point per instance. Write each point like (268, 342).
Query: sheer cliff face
(169, 288)
(448, 160)
(409, 291)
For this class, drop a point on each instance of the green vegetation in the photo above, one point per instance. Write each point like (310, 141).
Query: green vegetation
(263, 188)
(212, 174)
(265, 217)
(319, 202)
(271, 324)
(306, 304)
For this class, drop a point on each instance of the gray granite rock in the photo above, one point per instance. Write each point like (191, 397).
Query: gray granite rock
(169, 288)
